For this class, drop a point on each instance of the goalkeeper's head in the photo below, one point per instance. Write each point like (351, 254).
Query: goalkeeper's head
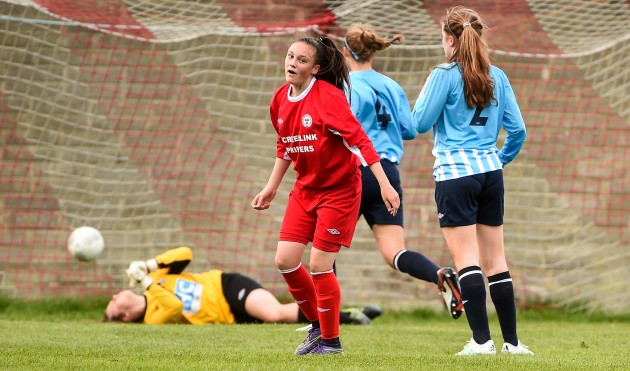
(125, 306)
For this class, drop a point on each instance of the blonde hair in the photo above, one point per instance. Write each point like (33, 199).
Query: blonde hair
(471, 52)
(363, 42)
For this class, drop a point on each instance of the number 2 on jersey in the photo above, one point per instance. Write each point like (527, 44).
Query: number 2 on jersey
(477, 119)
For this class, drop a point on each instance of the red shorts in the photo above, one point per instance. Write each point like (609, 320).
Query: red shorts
(325, 218)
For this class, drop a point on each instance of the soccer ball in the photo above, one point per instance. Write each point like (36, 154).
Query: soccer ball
(86, 243)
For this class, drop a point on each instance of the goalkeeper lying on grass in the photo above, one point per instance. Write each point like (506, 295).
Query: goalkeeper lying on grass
(174, 296)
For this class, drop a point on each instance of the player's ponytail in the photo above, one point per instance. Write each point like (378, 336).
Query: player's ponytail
(363, 42)
(332, 66)
(471, 51)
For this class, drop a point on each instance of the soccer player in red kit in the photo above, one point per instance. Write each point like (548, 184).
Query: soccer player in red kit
(319, 134)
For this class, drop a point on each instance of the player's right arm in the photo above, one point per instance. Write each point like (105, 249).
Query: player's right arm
(407, 128)
(432, 98)
(263, 199)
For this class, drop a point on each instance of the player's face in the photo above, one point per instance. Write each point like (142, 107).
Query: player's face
(117, 307)
(448, 44)
(299, 64)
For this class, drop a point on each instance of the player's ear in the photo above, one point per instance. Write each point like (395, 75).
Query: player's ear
(451, 40)
(315, 69)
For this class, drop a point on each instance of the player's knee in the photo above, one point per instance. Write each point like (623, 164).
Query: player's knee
(268, 317)
(276, 318)
(282, 264)
(320, 265)
(390, 261)
(285, 263)
(271, 314)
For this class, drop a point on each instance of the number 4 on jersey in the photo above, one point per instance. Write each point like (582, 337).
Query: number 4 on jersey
(381, 115)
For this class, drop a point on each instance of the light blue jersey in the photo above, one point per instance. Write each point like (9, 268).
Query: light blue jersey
(381, 105)
(465, 138)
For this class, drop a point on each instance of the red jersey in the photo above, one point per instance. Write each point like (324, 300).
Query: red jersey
(318, 132)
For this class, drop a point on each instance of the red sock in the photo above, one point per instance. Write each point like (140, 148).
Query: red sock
(328, 303)
(303, 291)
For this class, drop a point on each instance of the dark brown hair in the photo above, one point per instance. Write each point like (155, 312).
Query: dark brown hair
(332, 65)
(471, 51)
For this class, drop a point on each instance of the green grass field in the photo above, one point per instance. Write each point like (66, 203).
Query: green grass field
(68, 334)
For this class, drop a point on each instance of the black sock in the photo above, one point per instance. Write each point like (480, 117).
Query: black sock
(502, 294)
(416, 265)
(301, 317)
(335, 342)
(474, 298)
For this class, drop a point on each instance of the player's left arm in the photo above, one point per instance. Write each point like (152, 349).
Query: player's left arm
(513, 124)
(391, 198)
(340, 120)
(174, 261)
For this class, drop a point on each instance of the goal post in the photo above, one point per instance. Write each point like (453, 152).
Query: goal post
(149, 121)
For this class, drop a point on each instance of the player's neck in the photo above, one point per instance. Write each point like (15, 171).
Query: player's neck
(139, 307)
(296, 90)
(355, 67)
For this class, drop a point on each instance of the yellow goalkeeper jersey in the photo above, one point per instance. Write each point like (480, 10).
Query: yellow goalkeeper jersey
(178, 297)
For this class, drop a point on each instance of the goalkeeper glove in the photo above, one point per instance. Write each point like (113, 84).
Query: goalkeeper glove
(138, 275)
(152, 265)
